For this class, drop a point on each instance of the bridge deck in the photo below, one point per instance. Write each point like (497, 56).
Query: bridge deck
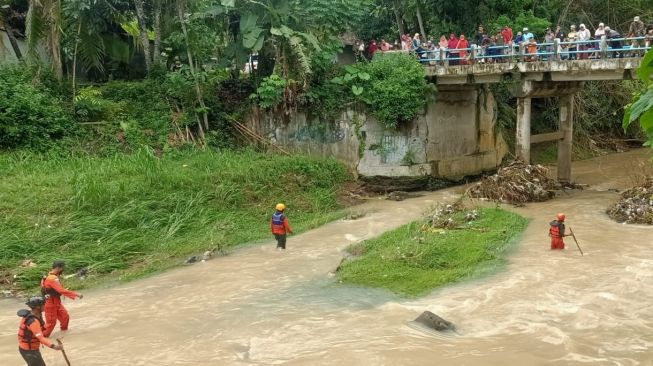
(565, 70)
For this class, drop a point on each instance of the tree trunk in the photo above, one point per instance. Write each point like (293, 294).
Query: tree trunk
(419, 19)
(145, 40)
(55, 39)
(400, 23)
(191, 64)
(79, 31)
(158, 9)
(10, 34)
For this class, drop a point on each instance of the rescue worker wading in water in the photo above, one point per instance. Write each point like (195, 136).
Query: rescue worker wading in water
(30, 336)
(557, 232)
(52, 291)
(280, 226)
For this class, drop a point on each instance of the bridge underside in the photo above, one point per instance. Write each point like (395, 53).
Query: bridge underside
(561, 79)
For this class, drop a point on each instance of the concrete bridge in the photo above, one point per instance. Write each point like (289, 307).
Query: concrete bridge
(457, 133)
(542, 79)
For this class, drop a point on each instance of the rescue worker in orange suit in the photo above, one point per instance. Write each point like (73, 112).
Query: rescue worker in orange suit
(53, 290)
(557, 232)
(280, 226)
(30, 336)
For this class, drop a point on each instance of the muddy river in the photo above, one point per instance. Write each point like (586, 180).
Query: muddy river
(258, 306)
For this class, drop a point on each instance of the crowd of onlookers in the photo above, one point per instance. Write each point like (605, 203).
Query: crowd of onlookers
(502, 44)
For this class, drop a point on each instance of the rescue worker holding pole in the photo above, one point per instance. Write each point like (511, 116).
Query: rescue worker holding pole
(280, 226)
(52, 291)
(557, 232)
(30, 336)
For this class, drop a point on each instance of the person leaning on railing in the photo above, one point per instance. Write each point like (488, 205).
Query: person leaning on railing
(614, 42)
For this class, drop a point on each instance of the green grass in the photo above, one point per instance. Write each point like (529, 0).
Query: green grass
(130, 215)
(416, 258)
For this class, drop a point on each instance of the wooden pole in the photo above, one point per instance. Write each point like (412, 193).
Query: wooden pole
(63, 352)
(578, 245)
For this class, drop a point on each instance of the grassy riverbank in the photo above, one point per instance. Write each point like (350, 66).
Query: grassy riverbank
(129, 215)
(419, 257)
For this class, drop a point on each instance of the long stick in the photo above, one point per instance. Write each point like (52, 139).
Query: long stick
(578, 245)
(63, 352)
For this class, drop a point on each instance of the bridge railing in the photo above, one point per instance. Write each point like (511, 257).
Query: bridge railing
(546, 51)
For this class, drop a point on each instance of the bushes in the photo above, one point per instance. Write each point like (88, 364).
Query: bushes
(396, 90)
(393, 87)
(32, 115)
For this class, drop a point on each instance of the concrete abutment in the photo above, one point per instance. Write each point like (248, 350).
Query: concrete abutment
(455, 136)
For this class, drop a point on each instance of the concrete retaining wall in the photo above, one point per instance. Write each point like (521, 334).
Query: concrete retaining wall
(455, 136)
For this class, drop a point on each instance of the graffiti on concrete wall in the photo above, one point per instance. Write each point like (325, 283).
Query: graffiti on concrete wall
(326, 133)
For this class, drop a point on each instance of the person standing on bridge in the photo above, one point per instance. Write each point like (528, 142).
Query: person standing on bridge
(30, 336)
(584, 35)
(280, 226)
(52, 289)
(557, 232)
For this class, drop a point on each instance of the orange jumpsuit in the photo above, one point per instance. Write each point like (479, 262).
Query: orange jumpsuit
(54, 309)
(30, 339)
(557, 232)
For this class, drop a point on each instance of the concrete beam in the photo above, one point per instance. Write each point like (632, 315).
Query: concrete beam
(544, 89)
(566, 127)
(524, 129)
(546, 137)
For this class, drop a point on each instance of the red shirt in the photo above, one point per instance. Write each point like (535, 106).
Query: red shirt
(507, 35)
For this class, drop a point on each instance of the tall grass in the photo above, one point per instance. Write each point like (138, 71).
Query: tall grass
(415, 258)
(133, 214)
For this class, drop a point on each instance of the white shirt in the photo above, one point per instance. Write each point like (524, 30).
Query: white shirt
(584, 35)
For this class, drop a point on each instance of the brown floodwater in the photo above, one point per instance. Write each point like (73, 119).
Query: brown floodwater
(258, 306)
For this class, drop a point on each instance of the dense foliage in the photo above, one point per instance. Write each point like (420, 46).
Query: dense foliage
(31, 111)
(392, 86)
(642, 107)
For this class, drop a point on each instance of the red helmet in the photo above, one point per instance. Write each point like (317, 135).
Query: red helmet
(561, 217)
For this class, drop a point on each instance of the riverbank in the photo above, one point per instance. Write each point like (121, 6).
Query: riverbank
(426, 254)
(554, 308)
(125, 216)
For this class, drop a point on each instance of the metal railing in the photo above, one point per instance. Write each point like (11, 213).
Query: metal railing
(530, 52)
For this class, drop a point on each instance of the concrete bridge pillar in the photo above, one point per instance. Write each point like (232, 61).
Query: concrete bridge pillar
(566, 128)
(565, 92)
(523, 142)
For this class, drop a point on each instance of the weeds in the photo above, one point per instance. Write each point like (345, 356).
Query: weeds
(127, 215)
(421, 256)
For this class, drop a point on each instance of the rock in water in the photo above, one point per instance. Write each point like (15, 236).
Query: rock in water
(207, 255)
(192, 259)
(433, 321)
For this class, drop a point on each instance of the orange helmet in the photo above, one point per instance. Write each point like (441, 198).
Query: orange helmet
(561, 217)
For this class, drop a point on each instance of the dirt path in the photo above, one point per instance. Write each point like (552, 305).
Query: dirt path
(260, 306)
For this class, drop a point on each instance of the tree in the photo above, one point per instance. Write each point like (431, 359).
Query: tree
(44, 24)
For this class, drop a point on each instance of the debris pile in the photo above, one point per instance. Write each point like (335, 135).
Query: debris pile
(635, 205)
(516, 183)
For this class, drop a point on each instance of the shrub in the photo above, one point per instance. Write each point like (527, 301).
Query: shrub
(31, 113)
(393, 86)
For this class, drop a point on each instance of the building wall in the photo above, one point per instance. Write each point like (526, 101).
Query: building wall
(455, 136)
